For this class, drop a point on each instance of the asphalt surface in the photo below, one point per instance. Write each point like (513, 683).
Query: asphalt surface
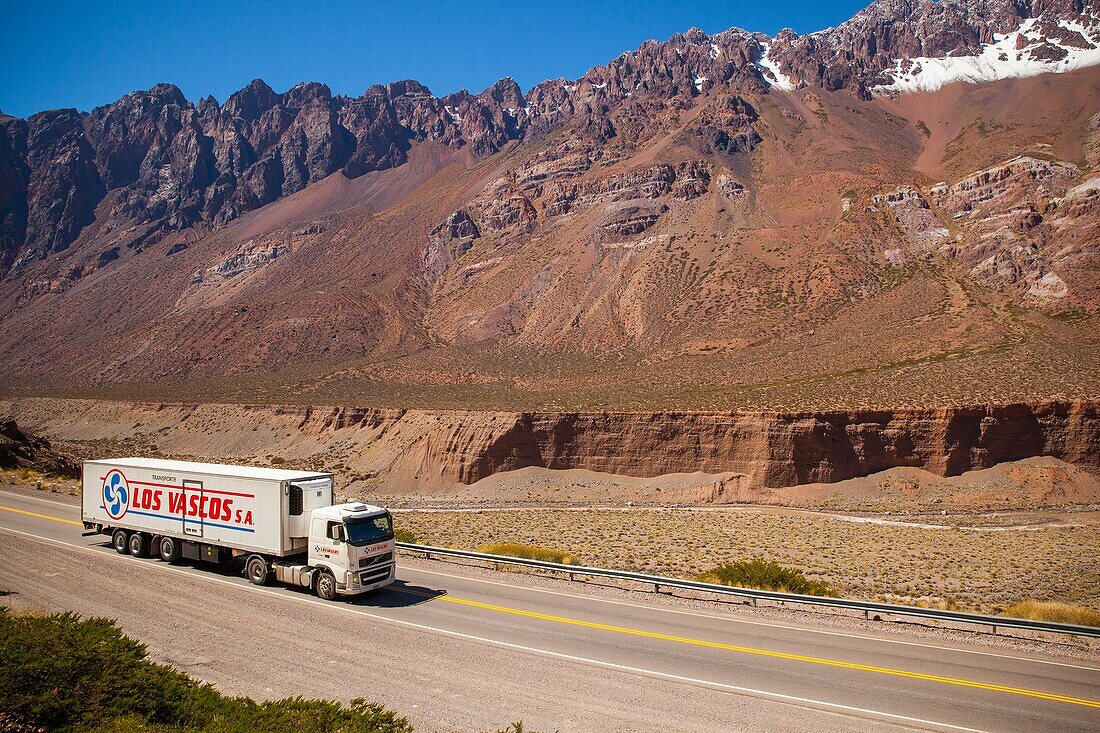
(460, 650)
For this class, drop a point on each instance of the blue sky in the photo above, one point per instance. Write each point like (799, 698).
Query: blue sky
(79, 54)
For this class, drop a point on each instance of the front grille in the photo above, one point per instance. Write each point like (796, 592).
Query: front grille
(366, 562)
(380, 572)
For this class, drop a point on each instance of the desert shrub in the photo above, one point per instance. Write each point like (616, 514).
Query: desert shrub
(940, 604)
(65, 673)
(765, 575)
(1065, 613)
(404, 535)
(530, 552)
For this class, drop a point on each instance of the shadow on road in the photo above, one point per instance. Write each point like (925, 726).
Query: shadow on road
(398, 595)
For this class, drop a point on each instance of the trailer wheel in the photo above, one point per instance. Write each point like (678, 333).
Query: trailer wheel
(326, 586)
(139, 545)
(169, 550)
(257, 570)
(120, 540)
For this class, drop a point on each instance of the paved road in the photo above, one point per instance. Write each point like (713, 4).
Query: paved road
(456, 649)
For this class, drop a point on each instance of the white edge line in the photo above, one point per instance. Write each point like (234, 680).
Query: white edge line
(734, 619)
(697, 614)
(830, 707)
(37, 498)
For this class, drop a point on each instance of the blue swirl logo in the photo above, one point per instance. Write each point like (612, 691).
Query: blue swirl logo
(116, 494)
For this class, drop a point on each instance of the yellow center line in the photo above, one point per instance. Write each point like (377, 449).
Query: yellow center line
(40, 516)
(719, 645)
(774, 654)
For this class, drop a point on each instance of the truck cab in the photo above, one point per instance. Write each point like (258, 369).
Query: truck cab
(353, 544)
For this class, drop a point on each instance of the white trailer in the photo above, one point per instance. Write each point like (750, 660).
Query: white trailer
(283, 523)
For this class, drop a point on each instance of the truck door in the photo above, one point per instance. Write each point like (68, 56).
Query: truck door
(192, 522)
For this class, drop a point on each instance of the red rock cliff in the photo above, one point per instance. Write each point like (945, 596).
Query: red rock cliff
(780, 449)
(444, 448)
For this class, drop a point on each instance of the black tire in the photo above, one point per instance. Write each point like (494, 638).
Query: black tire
(257, 570)
(120, 540)
(169, 549)
(326, 586)
(138, 545)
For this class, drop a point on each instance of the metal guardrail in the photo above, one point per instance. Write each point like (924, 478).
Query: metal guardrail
(867, 607)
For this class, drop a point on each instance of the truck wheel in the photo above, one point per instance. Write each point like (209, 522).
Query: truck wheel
(257, 570)
(139, 545)
(120, 541)
(326, 586)
(169, 550)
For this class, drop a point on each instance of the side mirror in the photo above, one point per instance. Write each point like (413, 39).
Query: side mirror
(336, 533)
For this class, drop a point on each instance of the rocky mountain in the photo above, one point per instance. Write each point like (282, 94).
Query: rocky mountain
(707, 211)
(909, 45)
(171, 164)
(158, 163)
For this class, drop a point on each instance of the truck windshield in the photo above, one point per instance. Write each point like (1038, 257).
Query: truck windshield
(371, 529)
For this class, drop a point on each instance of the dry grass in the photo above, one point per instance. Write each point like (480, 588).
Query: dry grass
(853, 360)
(979, 569)
(29, 480)
(1065, 613)
(530, 552)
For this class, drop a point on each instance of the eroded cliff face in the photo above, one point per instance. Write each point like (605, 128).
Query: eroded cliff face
(777, 450)
(418, 450)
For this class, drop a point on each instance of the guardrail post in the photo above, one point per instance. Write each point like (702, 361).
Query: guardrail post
(571, 577)
(656, 587)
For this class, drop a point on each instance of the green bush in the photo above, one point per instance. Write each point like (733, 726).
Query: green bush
(404, 535)
(65, 673)
(765, 575)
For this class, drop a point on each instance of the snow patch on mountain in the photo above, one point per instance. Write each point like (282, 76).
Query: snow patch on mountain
(1026, 51)
(772, 73)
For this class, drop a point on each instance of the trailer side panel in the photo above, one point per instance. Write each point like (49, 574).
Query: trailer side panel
(245, 513)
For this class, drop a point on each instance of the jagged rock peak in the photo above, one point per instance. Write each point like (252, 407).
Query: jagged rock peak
(251, 101)
(407, 88)
(305, 93)
(506, 92)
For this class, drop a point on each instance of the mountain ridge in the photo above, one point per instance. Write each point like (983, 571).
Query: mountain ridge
(260, 145)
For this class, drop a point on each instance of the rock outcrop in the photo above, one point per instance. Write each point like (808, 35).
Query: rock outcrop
(20, 449)
(1025, 226)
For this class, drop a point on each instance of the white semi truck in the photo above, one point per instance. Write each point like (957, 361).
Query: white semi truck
(283, 523)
